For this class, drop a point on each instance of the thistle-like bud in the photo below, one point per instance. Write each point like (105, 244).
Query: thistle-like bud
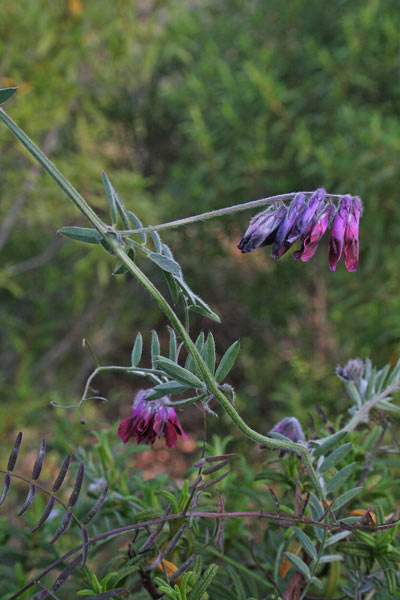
(352, 371)
(290, 428)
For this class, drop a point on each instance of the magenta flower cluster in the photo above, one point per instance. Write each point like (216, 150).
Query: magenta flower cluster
(150, 420)
(307, 221)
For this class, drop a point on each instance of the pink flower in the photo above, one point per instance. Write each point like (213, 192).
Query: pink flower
(351, 236)
(311, 242)
(149, 420)
(336, 242)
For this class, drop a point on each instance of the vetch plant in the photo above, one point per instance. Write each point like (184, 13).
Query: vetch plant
(322, 539)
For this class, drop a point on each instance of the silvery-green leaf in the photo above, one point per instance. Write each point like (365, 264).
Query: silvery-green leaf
(121, 268)
(172, 345)
(7, 93)
(299, 564)
(210, 314)
(156, 241)
(329, 558)
(395, 374)
(136, 354)
(165, 389)
(110, 193)
(199, 343)
(165, 263)
(329, 443)
(333, 459)
(337, 537)
(179, 373)
(340, 477)
(380, 378)
(155, 347)
(81, 234)
(209, 352)
(172, 286)
(227, 361)
(315, 507)
(306, 543)
(387, 405)
(354, 393)
(137, 224)
(346, 497)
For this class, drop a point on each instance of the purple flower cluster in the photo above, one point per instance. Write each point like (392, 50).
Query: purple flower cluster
(149, 420)
(307, 221)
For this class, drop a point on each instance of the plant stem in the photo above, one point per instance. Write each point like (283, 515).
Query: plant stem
(362, 414)
(119, 251)
(229, 210)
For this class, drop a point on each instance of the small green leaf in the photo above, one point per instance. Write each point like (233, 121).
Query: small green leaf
(107, 246)
(7, 93)
(120, 267)
(172, 345)
(380, 378)
(137, 224)
(156, 241)
(329, 443)
(81, 234)
(202, 584)
(179, 373)
(110, 193)
(329, 558)
(315, 507)
(340, 477)
(165, 263)
(337, 537)
(299, 564)
(155, 347)
(334, 458)
(123, 213)
(209, 352)
(346, 497)
(199, 343)
(227, 361)
(172, 286)
(164, 389)
(205, 313)
(306, 543)
(395, 373)
(136, 354)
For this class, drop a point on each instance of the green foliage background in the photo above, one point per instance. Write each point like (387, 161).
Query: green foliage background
(190, 107)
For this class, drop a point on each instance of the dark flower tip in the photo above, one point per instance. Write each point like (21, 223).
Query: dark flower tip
(149, 420)
(307, 221)
(291, 429)
(352, 371)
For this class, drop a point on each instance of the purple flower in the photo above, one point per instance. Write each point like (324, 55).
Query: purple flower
(262, 229)
(290, 428)
(281, 244)
(311, 242)
(352, 371)
(149, 420)
(336, 242)
(308, 221)
(351, 236)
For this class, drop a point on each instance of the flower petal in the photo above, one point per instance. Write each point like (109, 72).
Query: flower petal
(336, 241)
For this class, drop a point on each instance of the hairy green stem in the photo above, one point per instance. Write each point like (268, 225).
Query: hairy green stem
(180, 329)
(362, 414)
(229, 210)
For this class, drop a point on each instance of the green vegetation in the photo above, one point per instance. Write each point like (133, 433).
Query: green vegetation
(191, 107)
